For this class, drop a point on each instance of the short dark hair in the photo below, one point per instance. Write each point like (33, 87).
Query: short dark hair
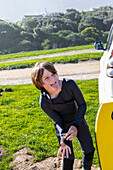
(38, 70)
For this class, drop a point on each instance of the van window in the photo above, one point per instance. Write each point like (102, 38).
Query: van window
(109, 39)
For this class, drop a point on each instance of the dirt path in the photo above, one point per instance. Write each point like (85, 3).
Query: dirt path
(79, 71)
(53, 55)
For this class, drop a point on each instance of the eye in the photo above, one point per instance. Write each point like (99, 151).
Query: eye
(46, 78)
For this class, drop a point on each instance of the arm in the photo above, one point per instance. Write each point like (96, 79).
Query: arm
(78, 97)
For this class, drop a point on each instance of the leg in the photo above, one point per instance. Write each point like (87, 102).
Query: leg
(87, 160)
(86, 143)
(68, 162)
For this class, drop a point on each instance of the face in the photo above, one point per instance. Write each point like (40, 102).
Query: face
(50, 81)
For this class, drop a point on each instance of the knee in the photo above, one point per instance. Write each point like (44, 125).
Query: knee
(89, 156)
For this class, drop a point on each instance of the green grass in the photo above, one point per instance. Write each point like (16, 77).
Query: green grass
(60, 59)
(24, 124)
(42, 52)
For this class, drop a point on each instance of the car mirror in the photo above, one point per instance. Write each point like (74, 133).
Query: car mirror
(98, 45)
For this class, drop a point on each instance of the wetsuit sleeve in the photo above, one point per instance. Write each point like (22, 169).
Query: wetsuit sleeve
(54, 116)
(78, 97)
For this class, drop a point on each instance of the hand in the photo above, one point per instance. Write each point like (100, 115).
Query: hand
(71, 134)
(65, 149)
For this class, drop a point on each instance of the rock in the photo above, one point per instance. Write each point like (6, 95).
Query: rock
(77, 164)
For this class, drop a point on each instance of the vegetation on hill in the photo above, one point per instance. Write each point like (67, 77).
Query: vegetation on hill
(56, 31)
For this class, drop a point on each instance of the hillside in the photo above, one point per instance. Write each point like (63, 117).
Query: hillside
(56, 31)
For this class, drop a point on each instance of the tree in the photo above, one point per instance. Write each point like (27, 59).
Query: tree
(9, 36)
(91, 32)
(73, 15)
(101, 18)
(90, 21)
(28, 23)
(46, 44)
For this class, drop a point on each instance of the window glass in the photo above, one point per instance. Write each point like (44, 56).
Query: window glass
(109, 39)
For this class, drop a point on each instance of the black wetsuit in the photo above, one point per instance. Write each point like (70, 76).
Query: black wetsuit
(67, 109)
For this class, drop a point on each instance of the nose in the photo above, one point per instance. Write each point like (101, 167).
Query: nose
(52, 78)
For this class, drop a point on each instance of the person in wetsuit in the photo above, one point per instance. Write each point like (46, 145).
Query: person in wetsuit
(64, 103)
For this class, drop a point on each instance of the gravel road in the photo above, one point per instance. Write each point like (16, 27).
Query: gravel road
(79, 71)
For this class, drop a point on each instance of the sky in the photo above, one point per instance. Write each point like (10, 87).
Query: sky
(14, 10)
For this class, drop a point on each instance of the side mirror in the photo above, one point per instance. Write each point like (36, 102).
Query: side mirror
(98, 45)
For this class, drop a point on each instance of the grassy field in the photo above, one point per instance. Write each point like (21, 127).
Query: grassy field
(60, 59)
(24, 124)
(43, 52)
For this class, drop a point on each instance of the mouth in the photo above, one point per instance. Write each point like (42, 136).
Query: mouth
(54, 85)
